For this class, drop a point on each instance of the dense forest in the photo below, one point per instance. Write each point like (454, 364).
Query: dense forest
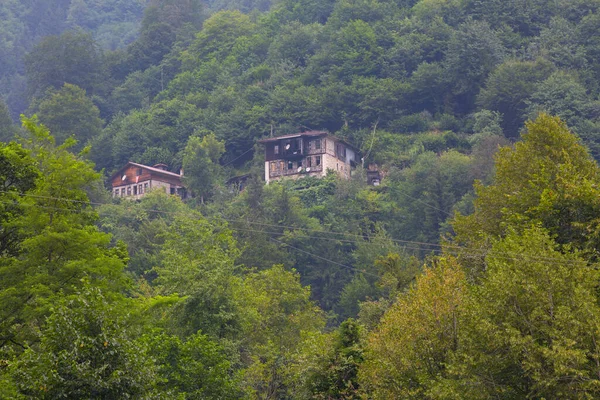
(470, 272)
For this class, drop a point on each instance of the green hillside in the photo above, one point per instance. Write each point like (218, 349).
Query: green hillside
(470, 272)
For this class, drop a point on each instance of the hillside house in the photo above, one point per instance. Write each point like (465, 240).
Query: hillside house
(134, 180)
(310, 153)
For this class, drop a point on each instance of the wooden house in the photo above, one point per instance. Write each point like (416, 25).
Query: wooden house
(134, 180)
(310, 153)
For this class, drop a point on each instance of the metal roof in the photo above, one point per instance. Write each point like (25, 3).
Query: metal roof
(157, 170)
(307, 134)
(294, 135)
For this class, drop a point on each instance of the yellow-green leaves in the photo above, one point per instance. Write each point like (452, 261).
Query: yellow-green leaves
(408, 353)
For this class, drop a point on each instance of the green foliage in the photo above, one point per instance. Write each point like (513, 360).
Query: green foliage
(337, 376)
(72, 57)
(86, 350)
(201, 164)
(195, 368)
(408, 353)
(473, 52)
(508, 89)
(141, 226)
(548, 178)
(274, 301)
(18, 175)
(56, 242)
(197, 261)
(7, 129)
(427, 192)
(530, 329)
(69, 113)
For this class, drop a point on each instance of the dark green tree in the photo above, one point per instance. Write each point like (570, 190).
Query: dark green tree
(508, 89)
(73, 57)
(67, 112)
(58, 244)
(87, 350)
(7, 129)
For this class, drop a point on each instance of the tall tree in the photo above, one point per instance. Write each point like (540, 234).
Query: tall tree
(408, 353)
(88, 349)
(58, 243)
(68, 112)
(7, 129)
(508, 89)
(548, 178)
(473, 52)
(73, 57)
(532, 328)
(201, 164)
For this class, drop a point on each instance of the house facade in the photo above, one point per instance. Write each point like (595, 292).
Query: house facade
(134, 180)
(310, 153)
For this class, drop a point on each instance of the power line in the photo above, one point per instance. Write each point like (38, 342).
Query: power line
(455, 249)
(325, 259)
(238, 157)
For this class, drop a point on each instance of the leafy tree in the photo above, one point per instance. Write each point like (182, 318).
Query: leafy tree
(437, 182)
(18, 173)
(337, 377)
(275, 301)
(560, 44)
(473, 52)
(72, 57)
(524, 17)
(352, 51)
(143, 227)
(7, 130)
(69, 113)
(305, 11)
(58, 244)
(197, 263)
(194, 368)
(508, 89)
(548, 178)
(408, 353)
(86, 350)
(201, 164)
(530, 330)
(296, 43)
(218, 36)
(563, 95)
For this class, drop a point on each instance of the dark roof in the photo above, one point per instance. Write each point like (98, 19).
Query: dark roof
(294, 135)
(306, 134)
(157, 170)
(238, 178)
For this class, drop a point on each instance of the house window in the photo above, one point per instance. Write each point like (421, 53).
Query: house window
(117, 193)
(300, 164)
(341, 151)
(135, 190)
(140, 190)
(318, 144)
(128, 190)
(274, 166)
(290, 165)
(122, 192)
(309, 162)
(318, 160)
(172, 190)
(145, 187)
(276, 149)
(138, 172)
